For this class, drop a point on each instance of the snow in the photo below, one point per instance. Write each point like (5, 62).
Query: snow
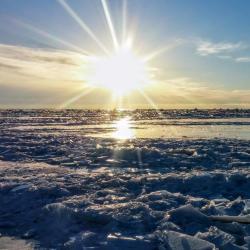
(174, 240)
(65, 208)
(8, 243)
(65, 189)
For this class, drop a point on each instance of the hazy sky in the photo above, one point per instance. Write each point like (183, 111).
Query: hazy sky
(204, 45)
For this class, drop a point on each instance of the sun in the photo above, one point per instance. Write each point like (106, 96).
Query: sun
(121, 72)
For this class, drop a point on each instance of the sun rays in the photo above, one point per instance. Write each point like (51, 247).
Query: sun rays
(83, 25)
(51, 37)
(121, 73)
(110, 24)
(121, 70)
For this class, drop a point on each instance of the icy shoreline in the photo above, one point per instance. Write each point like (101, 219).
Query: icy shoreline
(64, 186)
(63, 208)
(153, 155)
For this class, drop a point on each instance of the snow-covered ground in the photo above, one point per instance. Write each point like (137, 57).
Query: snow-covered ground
(77, 189)
(62, 208)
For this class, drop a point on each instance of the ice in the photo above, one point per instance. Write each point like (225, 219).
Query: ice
(121, 242)
(173, 240)
(64, 208)
(61, 188)
(216, 236)
(240, 219)
(10, 243)
(187, 214)
(21, 187)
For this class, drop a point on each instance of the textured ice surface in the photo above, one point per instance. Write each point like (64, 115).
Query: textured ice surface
(64, 208)
(62, 189)
(142, 123)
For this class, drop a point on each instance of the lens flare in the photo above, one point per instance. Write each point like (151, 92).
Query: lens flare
(121, 72)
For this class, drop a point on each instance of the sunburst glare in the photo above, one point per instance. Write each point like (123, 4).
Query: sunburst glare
(123, 129)
(121, 72)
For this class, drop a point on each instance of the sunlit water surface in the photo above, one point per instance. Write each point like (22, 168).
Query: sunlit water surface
(126, 128)
(189, 128)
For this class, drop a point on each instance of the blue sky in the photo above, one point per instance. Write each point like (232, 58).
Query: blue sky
(213, 56)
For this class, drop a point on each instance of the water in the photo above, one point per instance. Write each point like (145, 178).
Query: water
(126, 128)
(127, 139)
(124, 125)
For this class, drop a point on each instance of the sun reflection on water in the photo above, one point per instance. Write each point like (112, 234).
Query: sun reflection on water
(123, 129)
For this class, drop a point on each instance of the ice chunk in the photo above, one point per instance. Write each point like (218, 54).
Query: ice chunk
(123, 243)
(56, 222)
(85, 240)
(173, 240)
(216, 236)
(228, 219)
(187, 214)
(21, 187)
